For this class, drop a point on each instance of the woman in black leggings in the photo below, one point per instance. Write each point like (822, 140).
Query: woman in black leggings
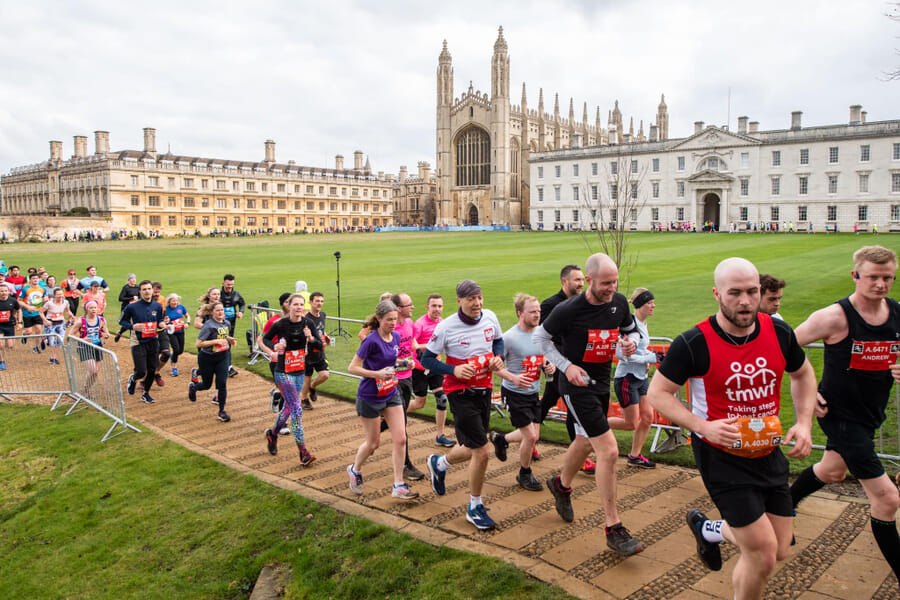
(214, 357)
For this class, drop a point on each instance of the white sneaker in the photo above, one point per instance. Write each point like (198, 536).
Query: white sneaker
(284, 430)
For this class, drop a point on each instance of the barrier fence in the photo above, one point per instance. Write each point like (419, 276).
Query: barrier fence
(344, 343)
(70, 368)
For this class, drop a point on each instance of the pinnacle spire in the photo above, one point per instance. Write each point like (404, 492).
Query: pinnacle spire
(500, 44)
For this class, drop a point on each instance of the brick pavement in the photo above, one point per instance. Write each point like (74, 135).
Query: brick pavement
(835, 556)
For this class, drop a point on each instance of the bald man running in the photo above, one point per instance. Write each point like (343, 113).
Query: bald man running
(735, 361)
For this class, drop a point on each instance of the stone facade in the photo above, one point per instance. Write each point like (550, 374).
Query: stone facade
(414, 197)
(845, 175)
(144, 190)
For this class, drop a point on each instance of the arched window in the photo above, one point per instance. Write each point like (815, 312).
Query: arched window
(473, 157)
(515, 156)
(713, 164)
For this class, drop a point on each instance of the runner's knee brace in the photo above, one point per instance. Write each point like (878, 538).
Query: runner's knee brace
(440, 400)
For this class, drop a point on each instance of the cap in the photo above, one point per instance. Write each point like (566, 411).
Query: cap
(130, 276)
(283, 297)
(71, 271)
(467, 288)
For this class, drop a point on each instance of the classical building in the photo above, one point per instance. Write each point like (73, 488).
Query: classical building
(484, 142)
(145, 190)
(414, 197)
(845, 175)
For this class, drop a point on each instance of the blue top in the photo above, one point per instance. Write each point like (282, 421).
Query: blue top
(146, 313)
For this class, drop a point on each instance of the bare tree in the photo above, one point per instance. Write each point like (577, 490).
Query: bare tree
(25, 227)
(894, 15)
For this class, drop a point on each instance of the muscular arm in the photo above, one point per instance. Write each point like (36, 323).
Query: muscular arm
(828, 324)
(544, 341)
(662, 396)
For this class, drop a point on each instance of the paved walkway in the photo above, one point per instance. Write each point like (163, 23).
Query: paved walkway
(835, 555)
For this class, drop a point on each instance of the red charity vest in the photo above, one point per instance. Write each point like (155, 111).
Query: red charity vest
(742, 381)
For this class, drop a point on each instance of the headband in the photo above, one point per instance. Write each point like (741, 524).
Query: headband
(642, 299)
(467, 288)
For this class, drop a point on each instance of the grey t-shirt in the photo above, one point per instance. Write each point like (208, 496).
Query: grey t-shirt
(521, 354)
(215, 331)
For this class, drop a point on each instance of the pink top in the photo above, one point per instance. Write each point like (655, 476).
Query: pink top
(424, 329)
(406, 331)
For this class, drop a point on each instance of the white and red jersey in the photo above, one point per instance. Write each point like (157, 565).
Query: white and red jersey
(462, 343)
(744, 380)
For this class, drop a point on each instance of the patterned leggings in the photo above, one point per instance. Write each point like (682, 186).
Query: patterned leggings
(290, 385)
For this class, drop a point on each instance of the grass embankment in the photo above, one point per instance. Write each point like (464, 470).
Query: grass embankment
(140, 517)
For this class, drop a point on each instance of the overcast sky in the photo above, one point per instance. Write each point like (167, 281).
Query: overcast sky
(218, 78)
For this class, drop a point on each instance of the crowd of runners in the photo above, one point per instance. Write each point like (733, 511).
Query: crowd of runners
(733, 361)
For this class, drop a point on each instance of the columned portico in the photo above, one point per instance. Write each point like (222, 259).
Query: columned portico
(710, 195)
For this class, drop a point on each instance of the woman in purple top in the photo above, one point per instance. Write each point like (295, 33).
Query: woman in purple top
(377, 396)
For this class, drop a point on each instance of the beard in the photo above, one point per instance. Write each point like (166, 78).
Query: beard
(737, 319)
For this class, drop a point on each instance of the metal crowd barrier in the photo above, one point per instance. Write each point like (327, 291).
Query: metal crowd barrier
(82, 372)
(256, 329)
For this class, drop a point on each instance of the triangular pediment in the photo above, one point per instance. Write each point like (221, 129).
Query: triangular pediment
(709, 176)
(714, 137)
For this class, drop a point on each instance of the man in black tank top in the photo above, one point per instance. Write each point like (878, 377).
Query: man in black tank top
(861, 334)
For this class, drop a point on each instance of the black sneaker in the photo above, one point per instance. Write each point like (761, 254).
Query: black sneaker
(563, 499)
(618, 539)
(306, 458)
(306, 405)
(232, 371)
(709, 551)
(272, 442)
(500, 445)
(118, 337)
(412, 473)
(528, 482)
(131, 384)
(147, 398)
(192, 392)
(313, 395)
(223, 416)
(640, 461)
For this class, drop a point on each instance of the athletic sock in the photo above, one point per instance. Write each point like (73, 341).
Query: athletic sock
(524, 470)
(885, 533)
(557, 481)
(712, 531)
(806, 484)
(474, 501)
(442, 463)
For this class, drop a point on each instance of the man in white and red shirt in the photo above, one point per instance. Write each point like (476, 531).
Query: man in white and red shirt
(406, 330)
(735, 361)
(424, 379)
(472, 342)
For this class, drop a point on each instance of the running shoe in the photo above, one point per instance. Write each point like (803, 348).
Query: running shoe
(479, 518)
(215, 398)
(412, 473)
(223, 416)
(528, 482)
(313, 395)
(618, 539)
(534, 454)
(500, 445)
(232, 371)
(284, 430)
(131, 384)
(355, 481)
(35, 349)
(271, 442)
(437, 476)
(174, 371)
(443, 440)
(641, 461)
(24, 341)
(117, 337)
(194, 377)
(275, 395)
(709, 552)
(306, 458)
(53, 361)
(589, 467)
(147, 398)
(192, 392)
(403, 491)
(306, 405)
(159, 380)
(2, 365)
(563, 499)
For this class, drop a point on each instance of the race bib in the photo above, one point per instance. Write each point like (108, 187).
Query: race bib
(55, 316)
(221, 345)
(385, 387)
(294, 360)
(178, 325)
(531, 366)
(873, 356)
(4, 316)
(482, 377)
(601, 345)
(229, 312)
(759, 436)
(149, 330)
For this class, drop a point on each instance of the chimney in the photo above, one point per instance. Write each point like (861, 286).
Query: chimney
(270, 151)
(101, 142)
(754, 126)
(742, 125)
(55, 151)
(654, 133)
(292, 162)
(404, 174)
(80, 146)
(795, 120)
(626, 138)
(424, 171)
(863, 115)
(149, 140)
(357, 160)
(698, 127)
(613, 136)
(338, 163)
(855, 116)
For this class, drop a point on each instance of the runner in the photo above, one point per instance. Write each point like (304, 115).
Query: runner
(17, 280)
(771, 293)
(72, 290)
(405, 328)
(165, 346)
(423, 379)
(130, 293)
(31, 299)
(632, 380)
(176, 314)
(277, 399)
(589, 327)
(5, 283)
(96, 294)
(365, 331)
(92, 328)
(144, 318)
(294, 335)
(234, 309)
(521, 388)
(55, 313)
(8, 308)
(207, 301)
(376, 362)
(472, 342)
(214, 344)
(92, 277)
(316, 360)
(735, 361)
(862, 343)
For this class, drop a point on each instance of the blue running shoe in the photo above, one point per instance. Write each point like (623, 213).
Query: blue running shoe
(437, 476)
(479, 518)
